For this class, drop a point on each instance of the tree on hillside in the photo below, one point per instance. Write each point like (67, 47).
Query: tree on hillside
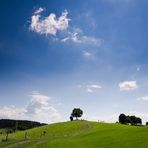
(133, 120)
(138, 121)
(71, 118)
(122, 119)
(128, 119)
(77, 112)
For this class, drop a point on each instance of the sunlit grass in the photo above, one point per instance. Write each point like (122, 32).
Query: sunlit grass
(81, 134)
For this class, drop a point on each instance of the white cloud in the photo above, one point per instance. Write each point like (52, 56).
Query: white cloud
(73, 36)
(38, 109)
(50, 24)
(93, 88)
(11, 112)
(42, 99)
(87, 54)
(78, 37)
(145, 98)
(128, 85)
(39, 10)
(65, 39)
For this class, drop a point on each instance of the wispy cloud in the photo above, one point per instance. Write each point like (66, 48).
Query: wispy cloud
(38, 108)
(87, 54)
(128, 85)
(49, 25)
(93, 88)
(145, 98)
(39, 10)
(77, 36)
(37, 97)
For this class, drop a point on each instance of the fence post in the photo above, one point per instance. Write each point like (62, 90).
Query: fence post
(6, 136)
(25, 135)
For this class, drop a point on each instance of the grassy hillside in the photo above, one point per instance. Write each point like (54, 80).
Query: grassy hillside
(80, 134)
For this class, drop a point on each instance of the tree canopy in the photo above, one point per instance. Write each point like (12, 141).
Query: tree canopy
(77, 112)
(122, 119)
(133, 120)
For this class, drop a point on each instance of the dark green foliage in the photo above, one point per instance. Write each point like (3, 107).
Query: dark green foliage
(71, 118)
(9, 130)
(77, 112)
(147, 123)
(133, 120)
(139, 121)
(122, 119)
(128, 119)
(13, 125)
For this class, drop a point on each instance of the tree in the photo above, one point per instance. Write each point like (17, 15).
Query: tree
(71, 118)
(128, 119)
(122, 119)
(138, 121)
(133, 120)
(147, 123)
(77, 112)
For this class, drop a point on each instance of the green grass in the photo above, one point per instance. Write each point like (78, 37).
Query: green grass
(80, 134)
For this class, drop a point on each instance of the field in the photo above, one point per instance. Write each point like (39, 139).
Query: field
(80, 134)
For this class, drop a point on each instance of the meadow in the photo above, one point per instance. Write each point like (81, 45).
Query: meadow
(79, 134)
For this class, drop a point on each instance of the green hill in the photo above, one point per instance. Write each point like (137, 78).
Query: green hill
(80, 134)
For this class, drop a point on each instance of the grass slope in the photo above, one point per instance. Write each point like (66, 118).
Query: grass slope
(81, 134)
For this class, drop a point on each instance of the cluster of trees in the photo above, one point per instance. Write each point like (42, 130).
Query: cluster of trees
(76, 113)
(133, 120)
(13, 125)
(123, 119)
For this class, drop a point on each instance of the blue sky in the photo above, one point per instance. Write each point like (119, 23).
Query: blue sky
(57, 55)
